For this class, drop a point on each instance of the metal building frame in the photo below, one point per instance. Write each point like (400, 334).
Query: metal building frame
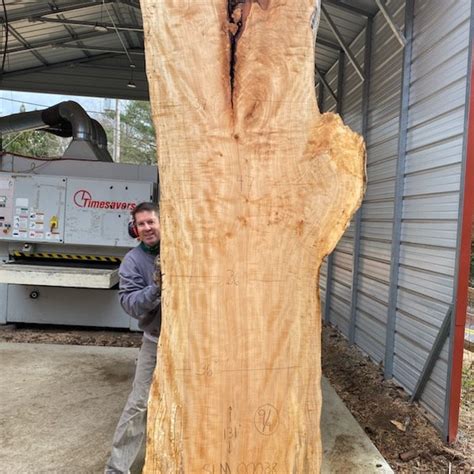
(117, 58)
(358, 216)
(463, 255)
(399, 186)
(453, 324)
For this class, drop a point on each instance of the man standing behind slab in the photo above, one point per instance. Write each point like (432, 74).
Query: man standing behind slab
(140, 297)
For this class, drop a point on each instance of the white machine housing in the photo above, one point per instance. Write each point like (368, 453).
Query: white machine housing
(63, 233)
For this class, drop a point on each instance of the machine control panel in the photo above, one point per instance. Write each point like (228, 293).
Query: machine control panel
(33, 208)
(66, 210)
(6, 205)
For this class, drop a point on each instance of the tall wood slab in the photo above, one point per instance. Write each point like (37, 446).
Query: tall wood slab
(256, 189)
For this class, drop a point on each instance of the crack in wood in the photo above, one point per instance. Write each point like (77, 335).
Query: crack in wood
(237, 14)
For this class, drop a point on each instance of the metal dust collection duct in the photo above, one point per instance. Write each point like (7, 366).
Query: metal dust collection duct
(66, 119)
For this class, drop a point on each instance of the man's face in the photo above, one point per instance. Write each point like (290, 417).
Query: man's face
(148, 227)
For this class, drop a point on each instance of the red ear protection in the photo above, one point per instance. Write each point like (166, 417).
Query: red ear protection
(132, 230)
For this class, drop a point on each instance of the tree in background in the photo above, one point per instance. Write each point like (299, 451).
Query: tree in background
(34, 143)
(137, 133)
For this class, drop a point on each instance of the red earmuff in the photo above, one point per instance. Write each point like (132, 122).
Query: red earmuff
(132, 230)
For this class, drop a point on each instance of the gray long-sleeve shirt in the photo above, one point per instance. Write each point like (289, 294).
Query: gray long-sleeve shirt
(139, 296)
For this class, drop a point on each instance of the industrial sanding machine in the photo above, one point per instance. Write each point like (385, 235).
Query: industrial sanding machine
(63, 234)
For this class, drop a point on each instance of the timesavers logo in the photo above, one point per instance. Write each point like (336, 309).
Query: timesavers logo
(83, 198)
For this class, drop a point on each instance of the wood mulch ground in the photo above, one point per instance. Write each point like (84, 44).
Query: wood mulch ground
(399, 429)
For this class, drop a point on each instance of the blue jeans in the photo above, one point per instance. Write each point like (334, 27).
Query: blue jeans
(131, 427)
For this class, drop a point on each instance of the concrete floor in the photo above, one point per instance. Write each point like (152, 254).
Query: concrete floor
(59, 406)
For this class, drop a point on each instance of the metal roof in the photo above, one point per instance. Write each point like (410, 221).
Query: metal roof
(96, 47)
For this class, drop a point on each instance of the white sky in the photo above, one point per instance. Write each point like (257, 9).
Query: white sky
(10, 102)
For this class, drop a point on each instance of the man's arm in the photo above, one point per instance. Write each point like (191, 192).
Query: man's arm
(136, 297)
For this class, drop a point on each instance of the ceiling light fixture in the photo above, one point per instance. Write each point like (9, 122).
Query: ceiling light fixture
(131, 82)
(101, 28)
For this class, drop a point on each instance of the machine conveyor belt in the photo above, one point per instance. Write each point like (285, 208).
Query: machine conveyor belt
(41, 275)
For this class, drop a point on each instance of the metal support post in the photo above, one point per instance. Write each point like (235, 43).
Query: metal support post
(3, 303)
(330, 259)
(3, 287)
(320, 97)
(399, 189)
(116, 152)
(358, 216)
(463, 257)
(340, 82)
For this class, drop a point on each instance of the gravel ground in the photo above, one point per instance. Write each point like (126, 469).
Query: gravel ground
(399, 429)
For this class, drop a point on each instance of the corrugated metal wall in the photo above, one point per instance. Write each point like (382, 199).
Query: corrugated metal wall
(429, 192)
(373, 282)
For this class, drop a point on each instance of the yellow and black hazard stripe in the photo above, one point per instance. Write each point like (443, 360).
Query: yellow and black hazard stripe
(67, 256)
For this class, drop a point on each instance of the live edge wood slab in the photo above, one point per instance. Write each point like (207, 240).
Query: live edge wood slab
(256, 188)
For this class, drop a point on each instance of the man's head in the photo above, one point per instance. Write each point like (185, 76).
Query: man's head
(146, 217)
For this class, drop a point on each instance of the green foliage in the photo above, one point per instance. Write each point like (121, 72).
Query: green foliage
(138, 139)
(34, 143)
(468, 382)
(137, 134)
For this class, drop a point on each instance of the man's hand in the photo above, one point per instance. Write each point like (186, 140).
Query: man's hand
(157, 274)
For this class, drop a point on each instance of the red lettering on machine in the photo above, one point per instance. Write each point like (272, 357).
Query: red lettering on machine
(83, 198)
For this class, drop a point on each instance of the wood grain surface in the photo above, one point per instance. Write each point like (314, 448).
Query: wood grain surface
(256, 188)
